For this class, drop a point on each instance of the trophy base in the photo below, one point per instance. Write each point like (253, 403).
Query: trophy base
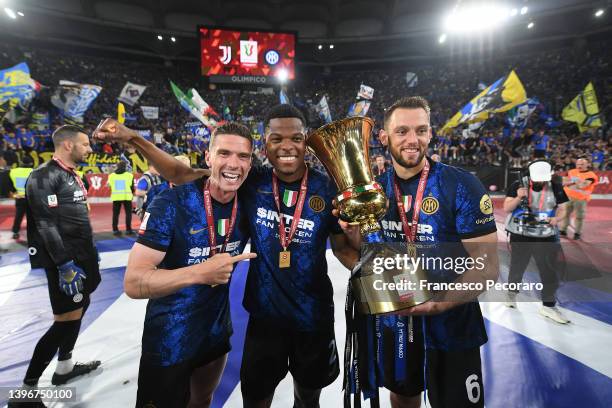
(389, 291)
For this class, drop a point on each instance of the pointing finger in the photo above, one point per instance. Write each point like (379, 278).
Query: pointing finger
(242, 257)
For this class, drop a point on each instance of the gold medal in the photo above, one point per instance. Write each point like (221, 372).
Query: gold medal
(284, 259)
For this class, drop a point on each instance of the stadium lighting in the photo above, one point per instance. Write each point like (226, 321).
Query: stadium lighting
(173, 39)
(159, 37)
(282, 75)
(331, 46)
(530, 25)
(524, 10)
(320, 47)
(513, 12)
(599, 13)
(21, 14)
(442, 39)
(476, 17)
(9, 12)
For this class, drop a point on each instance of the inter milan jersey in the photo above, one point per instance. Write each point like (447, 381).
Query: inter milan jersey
(455, 206)
(197, 317)
(301, 295)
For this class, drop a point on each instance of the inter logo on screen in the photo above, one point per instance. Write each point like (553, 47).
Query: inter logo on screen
(272, 57)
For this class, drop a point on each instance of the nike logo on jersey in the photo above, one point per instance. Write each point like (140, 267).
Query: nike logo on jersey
(194, 231)
(71, 182)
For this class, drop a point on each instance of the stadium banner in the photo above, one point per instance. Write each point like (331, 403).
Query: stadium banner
(603, 185)
(150, 112)
(73, 99)
(131, 92)
(17, 88)
(503, 95)
(365, 92)
(97, 162)
(412, 79)
(583, 110)
(98, 185)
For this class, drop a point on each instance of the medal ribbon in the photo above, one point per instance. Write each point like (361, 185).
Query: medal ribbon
(71, 171)
(284, 239)
(210, 220)
(411, 230)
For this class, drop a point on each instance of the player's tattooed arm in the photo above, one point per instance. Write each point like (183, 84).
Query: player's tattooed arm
(343, 250)
(172, 170)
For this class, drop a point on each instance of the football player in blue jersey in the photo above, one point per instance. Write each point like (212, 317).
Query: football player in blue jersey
(189, 241)
(288, 293)
(442, 343)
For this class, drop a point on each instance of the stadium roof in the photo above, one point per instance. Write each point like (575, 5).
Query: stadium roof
(361, 31)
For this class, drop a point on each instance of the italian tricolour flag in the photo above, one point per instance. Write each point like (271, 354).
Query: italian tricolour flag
(407, 202)
(222, 226)
(290, 198)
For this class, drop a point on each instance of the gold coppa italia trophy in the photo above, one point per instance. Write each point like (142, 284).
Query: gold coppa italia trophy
(342, 147)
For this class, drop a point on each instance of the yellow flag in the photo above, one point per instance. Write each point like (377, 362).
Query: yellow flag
(583, 110)
(503, 95)
(120, 113)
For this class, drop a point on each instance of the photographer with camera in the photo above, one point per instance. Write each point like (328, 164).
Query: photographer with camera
(535, 204)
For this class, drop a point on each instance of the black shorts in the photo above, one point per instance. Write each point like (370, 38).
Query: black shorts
(454, 378)
(169, 386)
(271, 351)
(63, 303)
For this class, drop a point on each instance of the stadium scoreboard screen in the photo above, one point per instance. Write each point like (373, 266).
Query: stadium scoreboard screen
(245, 56)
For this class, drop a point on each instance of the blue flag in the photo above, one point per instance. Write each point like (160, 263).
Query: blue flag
(17, 88)
(73, 99)
(322, 109)
(284, 99)
(517, 117)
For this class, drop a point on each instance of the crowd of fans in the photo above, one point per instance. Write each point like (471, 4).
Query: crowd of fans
(447, 88)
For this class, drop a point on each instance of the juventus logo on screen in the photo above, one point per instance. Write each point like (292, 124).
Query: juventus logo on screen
(227, 54)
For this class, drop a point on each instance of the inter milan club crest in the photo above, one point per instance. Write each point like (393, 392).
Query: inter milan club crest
(430, 205)
(290, 198)
(316, 203)
(222, 226)
(407, 202)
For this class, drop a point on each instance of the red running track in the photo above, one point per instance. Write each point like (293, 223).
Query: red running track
(101, 218)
